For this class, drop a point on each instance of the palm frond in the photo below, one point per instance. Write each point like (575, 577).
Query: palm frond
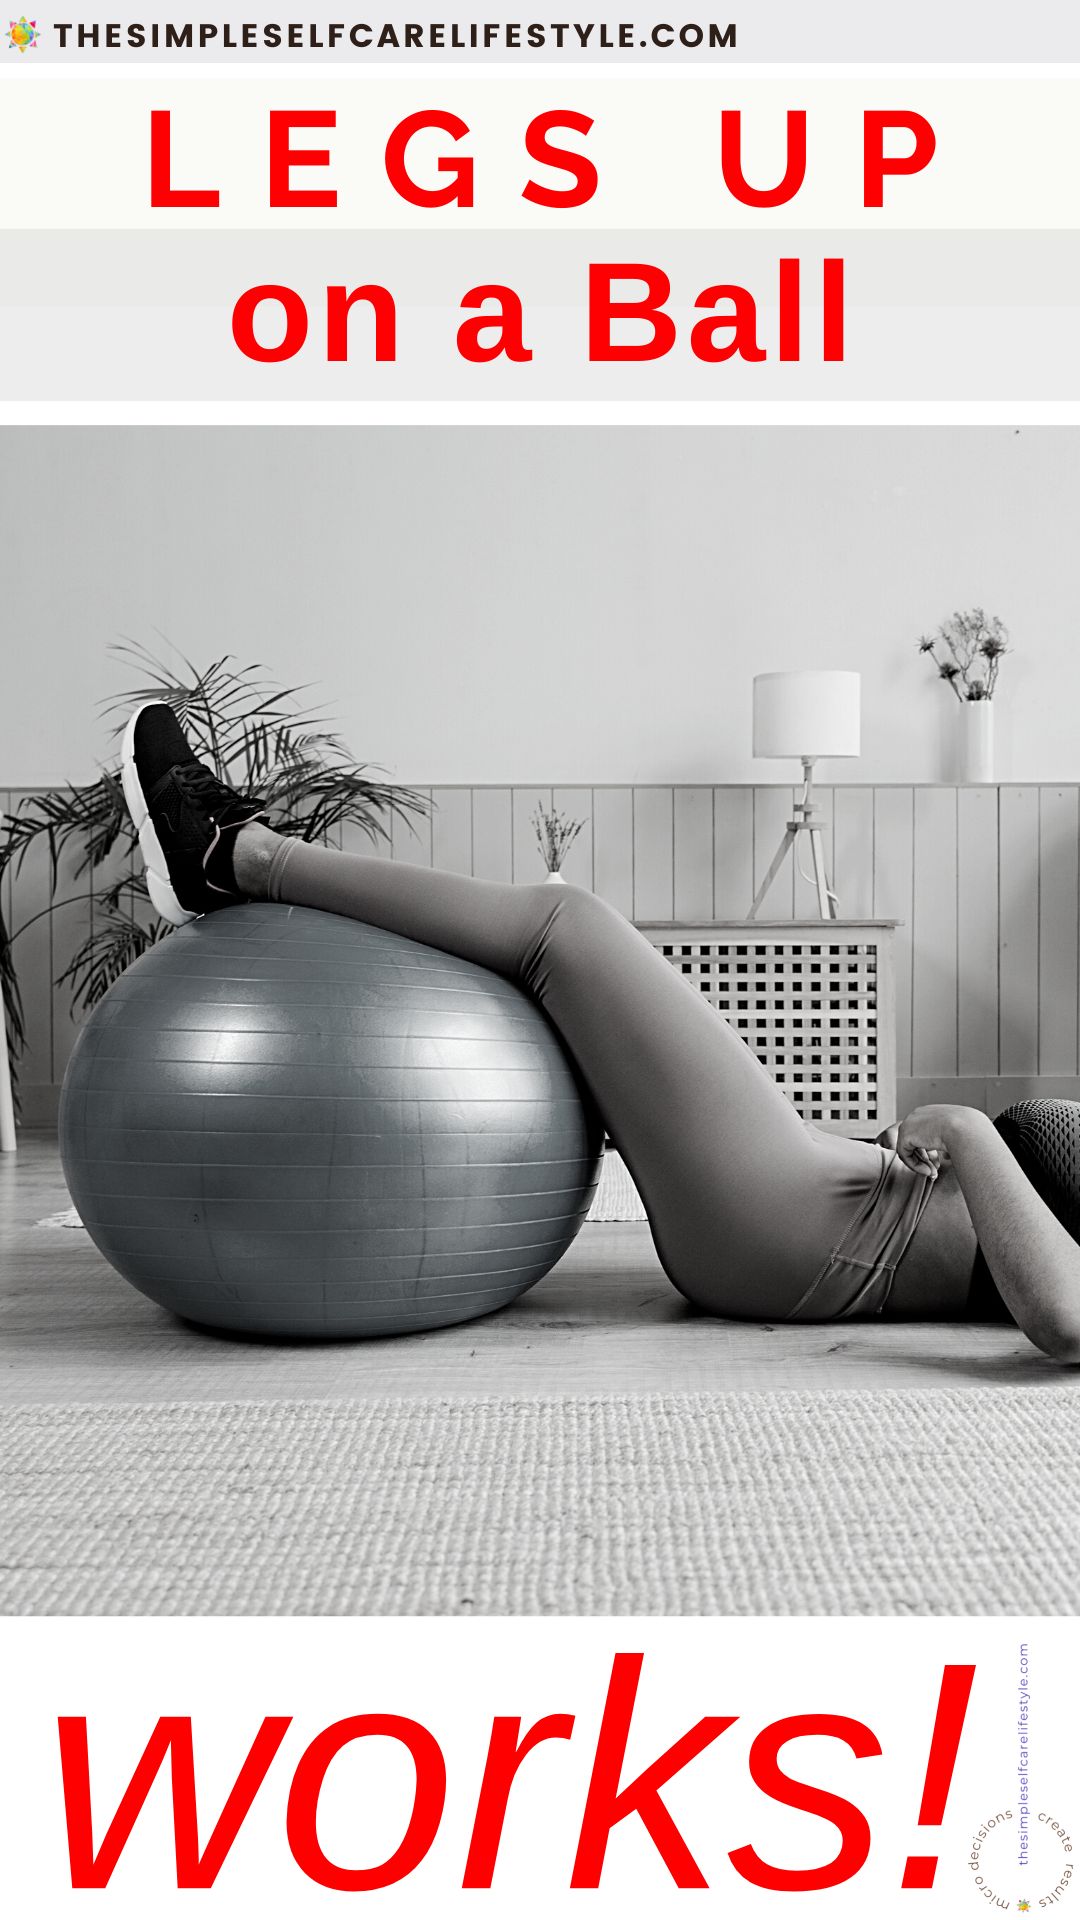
(93, 817)
(14, 1036)
(256, 734)
(116, 939)
(317, 802)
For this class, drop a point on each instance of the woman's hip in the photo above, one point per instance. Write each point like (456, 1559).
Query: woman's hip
(818, 1238)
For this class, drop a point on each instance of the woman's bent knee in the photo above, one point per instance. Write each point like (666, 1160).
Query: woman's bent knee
(571, 923)
(569, 902)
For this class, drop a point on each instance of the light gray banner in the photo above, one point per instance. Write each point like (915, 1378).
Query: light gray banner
(748, 30)
(115, 316)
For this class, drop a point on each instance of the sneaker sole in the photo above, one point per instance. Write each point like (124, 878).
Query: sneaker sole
(159, 886)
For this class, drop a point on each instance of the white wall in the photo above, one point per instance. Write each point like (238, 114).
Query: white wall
(558, 605)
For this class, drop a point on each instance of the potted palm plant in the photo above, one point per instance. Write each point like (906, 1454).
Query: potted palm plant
(254, 733)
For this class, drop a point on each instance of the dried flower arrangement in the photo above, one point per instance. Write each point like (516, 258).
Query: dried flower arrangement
(967, 650)
(555, 835)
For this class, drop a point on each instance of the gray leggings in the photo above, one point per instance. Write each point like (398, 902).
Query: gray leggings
(753, 1213)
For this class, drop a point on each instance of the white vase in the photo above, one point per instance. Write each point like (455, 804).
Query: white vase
(555, 879)
(976, 748)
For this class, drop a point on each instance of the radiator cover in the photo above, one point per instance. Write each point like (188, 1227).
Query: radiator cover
(814, 1000)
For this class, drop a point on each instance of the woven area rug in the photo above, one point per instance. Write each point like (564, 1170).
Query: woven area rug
(951, 1501)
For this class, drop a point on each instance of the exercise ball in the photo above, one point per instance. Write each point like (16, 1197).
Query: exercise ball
(280, 1121)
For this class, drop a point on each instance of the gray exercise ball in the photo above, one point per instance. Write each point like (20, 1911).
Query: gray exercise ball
(284, 1122)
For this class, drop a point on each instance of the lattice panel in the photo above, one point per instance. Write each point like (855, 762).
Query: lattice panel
(816, 1010)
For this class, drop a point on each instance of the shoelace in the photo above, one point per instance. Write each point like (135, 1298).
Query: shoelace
(197, 782)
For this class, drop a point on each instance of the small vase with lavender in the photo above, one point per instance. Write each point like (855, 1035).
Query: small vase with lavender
(555, 835)
(967, 650)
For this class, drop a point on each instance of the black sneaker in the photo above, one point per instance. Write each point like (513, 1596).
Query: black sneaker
(184, 815)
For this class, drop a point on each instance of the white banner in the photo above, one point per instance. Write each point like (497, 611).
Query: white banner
(539, 1766)
(957, 152)
(628, 238)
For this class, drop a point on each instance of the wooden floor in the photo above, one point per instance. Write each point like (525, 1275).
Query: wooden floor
(606, 1321)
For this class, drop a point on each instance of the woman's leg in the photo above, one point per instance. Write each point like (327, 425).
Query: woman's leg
(745, 1203)
(747, 1206)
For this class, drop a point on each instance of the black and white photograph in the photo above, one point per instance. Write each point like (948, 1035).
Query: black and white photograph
(541, 970)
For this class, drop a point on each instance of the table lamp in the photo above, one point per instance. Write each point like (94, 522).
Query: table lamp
(805, 716)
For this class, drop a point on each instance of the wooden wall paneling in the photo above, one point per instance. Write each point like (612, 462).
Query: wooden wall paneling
(733, 852)
(577, 804)
(934, 980)
(493, 855)
(894, 809)
(973, 1091)
(772, 811)
(410, 837)
(654, 853)
(1030, 1086)
(985, 881)
(853, 851)
(977, 930)
(613, 847)
(353, 839)
(693, 853)
(451, 829)
(1018, 930)
(527, 860)
(1059, 933)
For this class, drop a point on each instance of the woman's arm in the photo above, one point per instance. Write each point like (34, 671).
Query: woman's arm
(1034, 1262)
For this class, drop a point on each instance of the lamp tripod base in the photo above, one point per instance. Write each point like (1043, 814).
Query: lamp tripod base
(806, 825)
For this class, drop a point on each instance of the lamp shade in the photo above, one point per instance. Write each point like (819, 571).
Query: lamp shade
(806, 716)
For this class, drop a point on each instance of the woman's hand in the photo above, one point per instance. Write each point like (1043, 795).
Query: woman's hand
(925, 1140)
(1035, 1262)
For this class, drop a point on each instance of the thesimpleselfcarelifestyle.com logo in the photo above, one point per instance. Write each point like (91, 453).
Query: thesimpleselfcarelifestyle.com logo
(23, 35)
